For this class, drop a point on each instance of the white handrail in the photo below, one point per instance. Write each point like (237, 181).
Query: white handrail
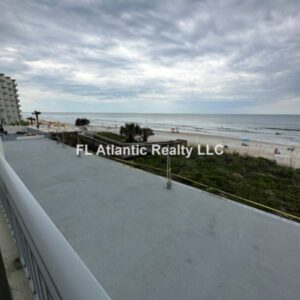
(71, 278)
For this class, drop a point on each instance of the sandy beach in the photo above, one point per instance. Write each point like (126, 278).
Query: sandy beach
(253, 148)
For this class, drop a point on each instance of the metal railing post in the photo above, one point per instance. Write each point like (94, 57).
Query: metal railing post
(1, 148)
(169, 182)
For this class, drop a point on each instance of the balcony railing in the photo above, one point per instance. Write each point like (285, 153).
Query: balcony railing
(53, 268)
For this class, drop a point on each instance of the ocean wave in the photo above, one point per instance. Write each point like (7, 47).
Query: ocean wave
(255, 127)
(282, 129)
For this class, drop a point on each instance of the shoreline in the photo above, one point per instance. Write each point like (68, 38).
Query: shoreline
(220, 136)
(254, 148)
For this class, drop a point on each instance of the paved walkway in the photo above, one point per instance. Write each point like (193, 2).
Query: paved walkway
(142, 241)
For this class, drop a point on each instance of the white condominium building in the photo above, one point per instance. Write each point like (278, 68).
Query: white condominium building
(9, 100)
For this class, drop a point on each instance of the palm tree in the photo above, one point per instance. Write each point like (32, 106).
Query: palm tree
(31, 119)
(82, 122)
(145, 133)
(37, 113)
(130, 131)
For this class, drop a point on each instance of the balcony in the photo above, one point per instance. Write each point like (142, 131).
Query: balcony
(53, 268)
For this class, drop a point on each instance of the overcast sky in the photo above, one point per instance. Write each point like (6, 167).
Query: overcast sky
(153, 56)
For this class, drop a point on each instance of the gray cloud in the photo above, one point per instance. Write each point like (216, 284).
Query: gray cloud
(127, 52)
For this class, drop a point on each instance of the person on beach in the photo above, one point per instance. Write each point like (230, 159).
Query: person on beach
(291, 149)
(276, 151)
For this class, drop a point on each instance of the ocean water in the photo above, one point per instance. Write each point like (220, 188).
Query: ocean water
(283, 129)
